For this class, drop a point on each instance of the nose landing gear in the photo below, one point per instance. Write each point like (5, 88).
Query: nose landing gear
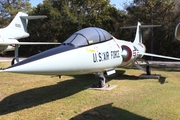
(102, 80)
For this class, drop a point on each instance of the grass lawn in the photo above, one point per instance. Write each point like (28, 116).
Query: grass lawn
(36, 97)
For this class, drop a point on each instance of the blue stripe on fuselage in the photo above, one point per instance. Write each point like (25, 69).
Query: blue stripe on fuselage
(47, 53)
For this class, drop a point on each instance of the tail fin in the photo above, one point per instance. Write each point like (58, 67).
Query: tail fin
(177, 31)
(17, 23)
(138, 37)
(18, 27)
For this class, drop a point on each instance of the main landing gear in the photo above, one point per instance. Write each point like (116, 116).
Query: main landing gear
(14, 61)
(148, 74)
(147, 69)
(16, 58)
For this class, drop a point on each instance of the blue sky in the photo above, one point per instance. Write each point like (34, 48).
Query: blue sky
(118, 3)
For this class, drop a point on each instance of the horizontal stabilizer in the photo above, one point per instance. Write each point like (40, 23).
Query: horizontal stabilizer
(159, 56)
(138, 37)
(33, 17)
(142, 26)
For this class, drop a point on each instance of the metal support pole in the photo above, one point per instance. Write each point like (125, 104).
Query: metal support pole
(78, 11)
(152, 40)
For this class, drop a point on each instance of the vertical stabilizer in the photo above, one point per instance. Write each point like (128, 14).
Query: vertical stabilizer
(18, 23)
(138, 37)
(18, 27)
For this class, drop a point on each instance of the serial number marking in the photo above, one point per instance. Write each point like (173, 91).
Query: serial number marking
(18, 25)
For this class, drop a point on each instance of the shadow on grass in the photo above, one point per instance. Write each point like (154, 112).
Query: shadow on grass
(121, 76)
(45, 94)
(108, 112)
(37, 96)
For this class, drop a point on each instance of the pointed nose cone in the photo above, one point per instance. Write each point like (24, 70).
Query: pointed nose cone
(28, 67)
(44, 63)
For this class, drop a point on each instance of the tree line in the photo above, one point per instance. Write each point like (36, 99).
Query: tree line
(64, 17)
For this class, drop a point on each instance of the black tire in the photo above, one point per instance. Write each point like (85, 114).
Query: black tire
(101, 83)
(148, 70)
(13, 61)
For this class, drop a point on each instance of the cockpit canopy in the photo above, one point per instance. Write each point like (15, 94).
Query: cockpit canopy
(88, 36)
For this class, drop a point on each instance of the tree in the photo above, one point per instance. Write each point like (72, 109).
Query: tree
(9, 8)
(43, 30)
(156, 12)
(66, 17)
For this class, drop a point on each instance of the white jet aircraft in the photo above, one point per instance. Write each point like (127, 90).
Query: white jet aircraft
(17, 29)
(90, 50)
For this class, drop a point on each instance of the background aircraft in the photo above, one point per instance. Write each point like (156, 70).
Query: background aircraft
(17, 29)
(90, 50)
(177, 31)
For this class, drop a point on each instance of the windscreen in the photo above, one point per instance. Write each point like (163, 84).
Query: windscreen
(88, 36)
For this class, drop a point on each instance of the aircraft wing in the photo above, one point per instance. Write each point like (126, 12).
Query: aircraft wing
(159, 56)
(27, 43)
(37, 43)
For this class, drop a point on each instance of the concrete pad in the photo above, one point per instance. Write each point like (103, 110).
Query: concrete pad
(106, 87)
(152, 76)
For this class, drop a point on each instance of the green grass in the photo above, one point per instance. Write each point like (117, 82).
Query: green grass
(38, 97)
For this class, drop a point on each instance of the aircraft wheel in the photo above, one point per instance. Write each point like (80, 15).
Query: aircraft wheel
(148, 70)
(101, 83)
(13, 61)
(102, 80)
